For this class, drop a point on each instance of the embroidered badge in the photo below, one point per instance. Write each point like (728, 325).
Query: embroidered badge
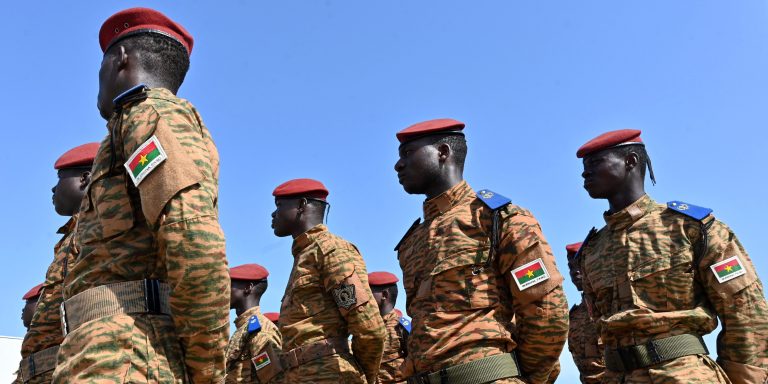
(345, 296)
(728, 269)
(145, 159)
(530, 274)
(261, 360)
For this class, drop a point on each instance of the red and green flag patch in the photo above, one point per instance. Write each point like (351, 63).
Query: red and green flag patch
(145, 159)
(728, 269)
(261, 360)
(530, 274)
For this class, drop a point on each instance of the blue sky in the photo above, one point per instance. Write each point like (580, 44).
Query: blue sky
(318, 88)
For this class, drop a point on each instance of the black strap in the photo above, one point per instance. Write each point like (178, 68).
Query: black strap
(152, 295)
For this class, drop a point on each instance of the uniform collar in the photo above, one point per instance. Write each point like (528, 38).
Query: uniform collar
(443, 202)
(69, 226)
(306, 239)
(243, 319)
(630, 214)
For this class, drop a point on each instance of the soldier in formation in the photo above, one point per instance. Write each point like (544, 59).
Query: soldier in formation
(327, 298)
(30, 304)
(475, 263)
(256, 341)
(384, 288)
(657, 277)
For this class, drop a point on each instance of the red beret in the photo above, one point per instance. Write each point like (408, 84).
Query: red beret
(430, 127)
(610, 140)
(79, 156)
(132, 21)
(33, 293)
(272, 316)
(572, 249)
(382, 278)
(301, 188)
(249, 272)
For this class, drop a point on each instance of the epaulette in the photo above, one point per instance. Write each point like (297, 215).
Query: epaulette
(491, 199)
(253, 324)
(694, 211)
(134, 93)
(405, 322)
(413, 226)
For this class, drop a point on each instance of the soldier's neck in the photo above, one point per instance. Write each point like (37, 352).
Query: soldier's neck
(249, 303)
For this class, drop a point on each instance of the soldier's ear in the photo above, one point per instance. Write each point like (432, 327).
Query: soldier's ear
(444, 151)
(85, 178)
(631, 160)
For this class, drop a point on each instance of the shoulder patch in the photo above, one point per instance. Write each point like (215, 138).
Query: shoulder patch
(694, 211)
(405, 323)
(413, 226)
(253, 324)
(492, 199)
(261, 360)
(728, 269)
(145, 159)
(530, 274)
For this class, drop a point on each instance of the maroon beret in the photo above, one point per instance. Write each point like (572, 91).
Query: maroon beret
(249, 272)
(132, 21)
(301, 188)
(79, 156)
(33, 293)
(272, 316)
(382, 278)
(610, 140)
(572, 249)
(430, 127)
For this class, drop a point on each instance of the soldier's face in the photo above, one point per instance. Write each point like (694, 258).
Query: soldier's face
(237, 293)
(69, 191)
(285, 216)
(418, 166)
(604, 174)
(28, 311)
(107, 84)
(575, 272)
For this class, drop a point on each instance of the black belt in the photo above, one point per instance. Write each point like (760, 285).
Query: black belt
(627, 359)
(475, 372)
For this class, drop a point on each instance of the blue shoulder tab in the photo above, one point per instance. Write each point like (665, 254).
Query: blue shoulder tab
(253, 324)
(698, 213)
(492, 199)
(128, 92)
(405, 323)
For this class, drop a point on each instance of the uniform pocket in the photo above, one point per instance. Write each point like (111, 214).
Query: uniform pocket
(664, 283)
(307, 295)
(109, 202)
(461, 282)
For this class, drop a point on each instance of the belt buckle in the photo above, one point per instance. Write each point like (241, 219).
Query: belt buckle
(627, 357)
(654, 354)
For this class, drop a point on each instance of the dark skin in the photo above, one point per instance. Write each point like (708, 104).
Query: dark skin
(383, 300)
(70, 189)
(427, 169)
(120, 71)
(244, 296)
(294, 216)
(615, 177)
(574, 270)
(28, 311)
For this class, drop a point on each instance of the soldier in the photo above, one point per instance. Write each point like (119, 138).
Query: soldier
(583, 340)
(657, 277)
(151, 279)
(327, 297)
(384, 288)
(41, 343)
(475, 262)
(273, 317)
(256, 338)
(30, 304)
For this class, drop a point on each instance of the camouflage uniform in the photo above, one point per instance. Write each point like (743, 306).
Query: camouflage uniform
(461, 307)
(395, 347)
(585, 345)
(45, 330)
(245, 345)
(167, 229)
(313, 310)
(642, 283)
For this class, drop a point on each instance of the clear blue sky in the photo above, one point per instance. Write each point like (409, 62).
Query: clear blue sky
(318, 89)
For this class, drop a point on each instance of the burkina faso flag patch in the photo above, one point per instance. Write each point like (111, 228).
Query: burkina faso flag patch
(145, 159)
(530, 274)
(261, 360)
(728, 269)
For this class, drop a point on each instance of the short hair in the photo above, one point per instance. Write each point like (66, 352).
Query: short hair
(390, 288)
(259, 287)
(642, 155)
(458, 144)
(165, 58)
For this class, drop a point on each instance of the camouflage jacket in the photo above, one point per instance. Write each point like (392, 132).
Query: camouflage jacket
(45, 329)
(450, 286)
(165, 228)
(244, 345)
(328, 297)
(585, 345)
(394, 349)
(641, 284)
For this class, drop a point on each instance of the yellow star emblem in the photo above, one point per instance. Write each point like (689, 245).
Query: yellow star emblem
(143, 159)
(728, 268)
(529, 273)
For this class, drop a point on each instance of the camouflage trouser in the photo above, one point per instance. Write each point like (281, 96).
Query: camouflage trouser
(689, 369)
(334, 369)
(122, 349)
